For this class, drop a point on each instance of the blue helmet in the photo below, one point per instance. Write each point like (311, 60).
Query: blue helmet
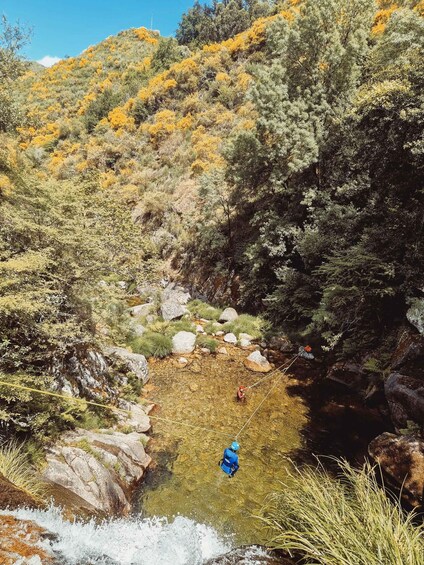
(235, 446)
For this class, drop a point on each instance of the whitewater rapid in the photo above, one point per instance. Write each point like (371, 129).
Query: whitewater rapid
(126, 541)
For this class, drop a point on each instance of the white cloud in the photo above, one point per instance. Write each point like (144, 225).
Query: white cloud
(48, 61)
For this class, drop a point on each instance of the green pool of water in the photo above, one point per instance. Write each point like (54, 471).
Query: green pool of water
(187, 479)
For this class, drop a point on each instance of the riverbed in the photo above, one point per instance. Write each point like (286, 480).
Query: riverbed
(186, 479)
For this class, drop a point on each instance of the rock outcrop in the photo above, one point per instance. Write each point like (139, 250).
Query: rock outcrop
(183, 342)
(402, 460)
(97, 470)
(405, 396)
(257, 362)
(134, 362)
(408, 356)
(415, 314)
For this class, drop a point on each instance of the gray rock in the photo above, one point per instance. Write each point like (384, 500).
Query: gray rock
(137, 418)
(402, 460)
(220, 333)
(142, 310)
(230, 338)
(222, 351)
(100, 468)
(138, 329)
(408, 356)
(405, 396)
(228, 315)
(199, 329)
(242, 335)
(415, 314)
(172, 310)
(282, 343)
(176, 293)
(257, 362)
(245, 342)
(183, 342)
(135, 362)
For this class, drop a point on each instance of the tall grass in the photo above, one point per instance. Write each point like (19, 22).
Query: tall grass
(152, 344)
(202, 310)
(345, 521)
(15, 466)
(245, 323)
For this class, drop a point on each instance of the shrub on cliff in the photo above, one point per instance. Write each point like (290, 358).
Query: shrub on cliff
(15, 467)
(345, 521)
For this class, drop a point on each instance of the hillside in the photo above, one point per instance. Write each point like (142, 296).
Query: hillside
(169, 135)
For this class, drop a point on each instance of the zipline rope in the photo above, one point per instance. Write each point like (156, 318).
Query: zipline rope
(154, 417)
(263, 400)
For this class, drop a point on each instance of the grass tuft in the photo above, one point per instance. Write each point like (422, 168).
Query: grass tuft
(208, 342)
(245, 323)
(152, 344)
(15, 466)
(200, 309)
(345, 521)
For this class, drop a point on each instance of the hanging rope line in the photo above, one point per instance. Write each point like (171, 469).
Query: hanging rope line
(289, 363)
(263, 400)
(85, 402)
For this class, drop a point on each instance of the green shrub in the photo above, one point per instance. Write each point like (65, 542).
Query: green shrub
(152, 344)
(247, 324)
(202, 310)
(212, 327)
(208, 342)
(171, 328)
(15, 466)
(343, 521)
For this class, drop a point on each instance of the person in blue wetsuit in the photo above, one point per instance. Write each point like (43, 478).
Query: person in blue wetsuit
(229, 462)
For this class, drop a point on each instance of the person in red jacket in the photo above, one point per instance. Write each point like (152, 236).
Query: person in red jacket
(241, 394)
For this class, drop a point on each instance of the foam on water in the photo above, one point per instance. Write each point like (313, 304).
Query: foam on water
(152, 541)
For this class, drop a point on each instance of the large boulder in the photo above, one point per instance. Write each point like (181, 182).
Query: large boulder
(172, 310)
(230, 338)
(402, 461)
(405, 396)
(250, 555)
(257, 362)
(134, 362)
(281, 343)
(175, 293)
(98, 469)
(349, 374)
(183, 342)
(415, 314)
(228, 315)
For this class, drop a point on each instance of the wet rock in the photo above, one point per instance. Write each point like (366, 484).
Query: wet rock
(21, 541)
(230, 338)
(282, 343)
(142, 310)
(12, 497)
(100, 468)
(409, 353)
(135, 362)
(405, 396)
(250, 555)
(183, 342)
(415, 314)
(172, 310)
(351, 375)
(257, 362)
(228, 315)
(402, 460)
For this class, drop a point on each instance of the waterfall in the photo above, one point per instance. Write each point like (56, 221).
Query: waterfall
(125, 541)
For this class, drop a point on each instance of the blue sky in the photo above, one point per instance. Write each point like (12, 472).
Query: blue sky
(67, 27)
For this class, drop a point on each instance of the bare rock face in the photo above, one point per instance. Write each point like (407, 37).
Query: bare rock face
(257, 362)
(98, 468)
(405, 396)
(415, 314)
(176, 293)
(135, 362)
(402, 460)
(228, 315)
(408, 356)
(183, 342)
